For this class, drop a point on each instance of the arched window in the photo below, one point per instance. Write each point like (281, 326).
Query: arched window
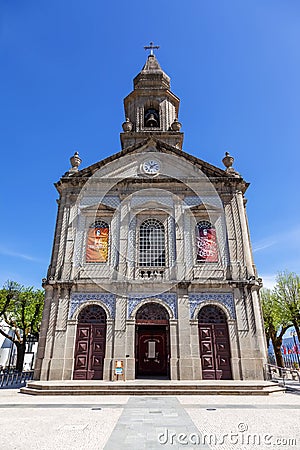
(152, 244)
(92, 314)
(211, 314)
(206, 242)
(152, 311)
(97, 242)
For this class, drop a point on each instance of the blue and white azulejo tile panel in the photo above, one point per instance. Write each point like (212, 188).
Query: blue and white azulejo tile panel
(108, 300)
(169, 299)
(224, 298)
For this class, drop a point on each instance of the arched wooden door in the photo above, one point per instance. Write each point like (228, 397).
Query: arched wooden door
(214, 344)
(152, 349)
(90, 344)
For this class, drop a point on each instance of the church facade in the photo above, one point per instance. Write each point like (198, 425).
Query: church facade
(151, 267)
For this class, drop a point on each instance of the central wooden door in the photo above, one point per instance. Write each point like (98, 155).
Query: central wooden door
(152, 348)
(214, 344)
(90, 344)
(152, 351)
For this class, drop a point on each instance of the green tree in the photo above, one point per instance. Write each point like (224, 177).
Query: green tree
(287, 291)
(21, 310)
(276, 322)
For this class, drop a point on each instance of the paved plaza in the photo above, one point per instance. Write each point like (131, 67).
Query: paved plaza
(148, 422)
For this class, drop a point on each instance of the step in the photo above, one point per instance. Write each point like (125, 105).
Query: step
(137, 384)
(153, 392)
(137, 388)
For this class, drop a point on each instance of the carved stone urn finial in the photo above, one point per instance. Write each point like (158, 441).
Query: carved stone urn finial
(228, 160)
(127, 125)
(176, 126)
(75, 161)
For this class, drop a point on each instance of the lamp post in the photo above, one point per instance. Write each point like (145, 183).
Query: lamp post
(11, 352)
(294, 334)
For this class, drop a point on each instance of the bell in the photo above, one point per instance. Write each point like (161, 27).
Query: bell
(151, 121)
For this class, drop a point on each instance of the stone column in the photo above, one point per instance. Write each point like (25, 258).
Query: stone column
(43, 333)
(174, 369)
(55, 258)
(107, 369)
(45, 369)
(234, 348)
(181, 239)
(195, 350)
(124, 225)
(130, 350)
(245, 234)
(247, 333)
(184, 332)
(261, 346)
(60, 245)
(58, 354)
(233, 271)
(70, 235)
(120, 327)
(70, 341)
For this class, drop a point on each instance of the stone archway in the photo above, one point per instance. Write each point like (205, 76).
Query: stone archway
(152, 341)
(214, 343)
(90, 344)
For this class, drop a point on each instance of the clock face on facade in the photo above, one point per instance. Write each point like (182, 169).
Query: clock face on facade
(151, 167)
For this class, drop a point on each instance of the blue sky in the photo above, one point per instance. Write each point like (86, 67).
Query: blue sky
(66, 67)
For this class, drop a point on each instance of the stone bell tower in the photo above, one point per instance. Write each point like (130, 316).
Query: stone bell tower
(151, 108)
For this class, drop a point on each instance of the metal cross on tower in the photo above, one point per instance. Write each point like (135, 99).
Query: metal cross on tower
(151, 47)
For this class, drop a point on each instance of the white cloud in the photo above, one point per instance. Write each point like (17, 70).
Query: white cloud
(7, 252)
(261, 245)
(269, 280)
(286, 238)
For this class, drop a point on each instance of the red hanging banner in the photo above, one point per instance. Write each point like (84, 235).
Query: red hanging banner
(207, 247)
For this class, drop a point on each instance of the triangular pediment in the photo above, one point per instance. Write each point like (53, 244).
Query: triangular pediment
(207, 206)
(96, 207)
(153, 145)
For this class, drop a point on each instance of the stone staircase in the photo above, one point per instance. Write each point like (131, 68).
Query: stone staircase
(152, 387)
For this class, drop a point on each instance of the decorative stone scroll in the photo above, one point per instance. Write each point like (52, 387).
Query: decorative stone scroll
(169, 299)
(226, 299)
(107, 299)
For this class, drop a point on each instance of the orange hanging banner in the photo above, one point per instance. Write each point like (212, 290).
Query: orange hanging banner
(97, 245)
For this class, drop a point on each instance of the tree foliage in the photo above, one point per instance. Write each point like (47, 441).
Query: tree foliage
(276, 322)
(287, 291)
(21, 310)
(281, 310)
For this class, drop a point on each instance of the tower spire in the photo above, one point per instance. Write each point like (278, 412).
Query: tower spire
(151, 109)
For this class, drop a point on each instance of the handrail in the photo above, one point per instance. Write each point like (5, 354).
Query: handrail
(8, 378)
(271, 369)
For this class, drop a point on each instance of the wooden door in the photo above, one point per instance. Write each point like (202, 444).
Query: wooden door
(152, 351)
(89, 352)
(90, 344)
(215, 351)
